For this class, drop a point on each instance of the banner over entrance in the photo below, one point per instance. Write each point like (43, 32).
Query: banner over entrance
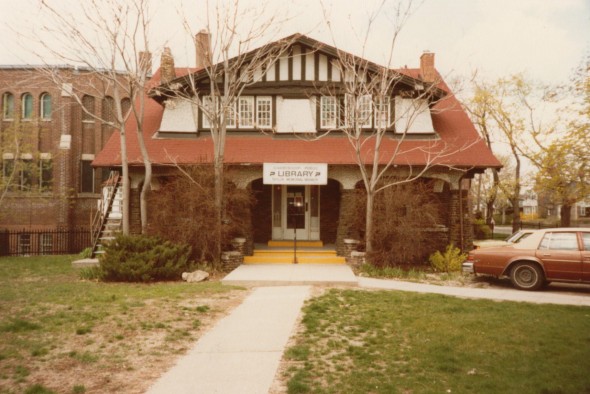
(295, 174)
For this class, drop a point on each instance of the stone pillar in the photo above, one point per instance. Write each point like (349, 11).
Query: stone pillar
(460, 234)
(231, 260)
(134, 211)
(345, 220)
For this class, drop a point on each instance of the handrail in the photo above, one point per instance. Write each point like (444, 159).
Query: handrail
(102, 214)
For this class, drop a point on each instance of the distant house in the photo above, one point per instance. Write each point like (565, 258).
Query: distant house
(270, 150)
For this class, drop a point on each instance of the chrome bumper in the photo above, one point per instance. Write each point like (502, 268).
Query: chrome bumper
(467, 268)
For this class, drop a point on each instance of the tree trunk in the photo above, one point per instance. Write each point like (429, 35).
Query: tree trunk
(566, 215)
(369, 222)
(147, 180)
(218, 167)
(124, 184)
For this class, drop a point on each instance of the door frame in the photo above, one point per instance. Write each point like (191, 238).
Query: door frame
(280, 226)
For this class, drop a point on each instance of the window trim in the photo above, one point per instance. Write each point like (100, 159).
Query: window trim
(43, 106)
(7, 106)
(27, 106)
(252, 112)
(379, 110)
(259, 101)
(325, 121)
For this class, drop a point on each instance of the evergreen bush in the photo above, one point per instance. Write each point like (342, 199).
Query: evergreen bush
(139, 258)
(448, 261)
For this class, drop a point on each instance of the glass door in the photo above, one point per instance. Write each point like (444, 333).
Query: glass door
(296, 218)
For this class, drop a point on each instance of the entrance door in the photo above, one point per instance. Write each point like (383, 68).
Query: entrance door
(296, 219)
(295, 211)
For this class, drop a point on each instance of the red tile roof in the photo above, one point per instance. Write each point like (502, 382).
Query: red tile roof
(459, 144)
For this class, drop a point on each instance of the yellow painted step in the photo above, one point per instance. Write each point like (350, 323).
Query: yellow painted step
(303, 244)
(289, 259)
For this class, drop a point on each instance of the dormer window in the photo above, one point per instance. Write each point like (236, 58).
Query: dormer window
(246, 112)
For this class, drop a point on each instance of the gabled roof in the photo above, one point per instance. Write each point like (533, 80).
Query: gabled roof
(459, 143)
(187, 78)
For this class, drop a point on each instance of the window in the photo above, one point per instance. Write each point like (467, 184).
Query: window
(359, 111)
(246, 112)
(108, 110)
(382, 113)
(45, 108)
(27, 106)
(24, 180)
(328, 112)
(45, 174)
(586, 240)
(559, 241)
(7, 106)
(125, 106)
(46, 243)
(86, 177)
(264, 112)
(24, 244)
(7, 171)
(88, 108)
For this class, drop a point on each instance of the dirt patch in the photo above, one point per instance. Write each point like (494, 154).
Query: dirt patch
(122, 353)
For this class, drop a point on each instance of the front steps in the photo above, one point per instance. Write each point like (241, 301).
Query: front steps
(281, 252)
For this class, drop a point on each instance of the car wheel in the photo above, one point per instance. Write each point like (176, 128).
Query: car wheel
(527, 276)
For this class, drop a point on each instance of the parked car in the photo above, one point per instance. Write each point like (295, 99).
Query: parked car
(543, 256)
(513, 239)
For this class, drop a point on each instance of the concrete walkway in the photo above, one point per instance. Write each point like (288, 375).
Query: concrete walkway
(537, 297)
(242, 352)
(291, 274)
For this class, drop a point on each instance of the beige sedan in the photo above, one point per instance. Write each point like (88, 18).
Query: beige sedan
(554, 254)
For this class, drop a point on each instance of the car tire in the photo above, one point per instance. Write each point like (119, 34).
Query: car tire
(527, 276)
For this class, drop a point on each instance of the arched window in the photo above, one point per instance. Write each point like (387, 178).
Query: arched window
(45, 108)
(7, 106)
(88, 111)
(108, 110)
(27, 106)
(125, 105)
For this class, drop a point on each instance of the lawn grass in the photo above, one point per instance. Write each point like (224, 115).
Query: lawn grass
(396, 342)
(52, 323)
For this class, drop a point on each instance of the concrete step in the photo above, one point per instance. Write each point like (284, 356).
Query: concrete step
(303, 244)
(287, 257)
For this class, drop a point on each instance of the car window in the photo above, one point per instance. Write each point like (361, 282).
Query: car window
(559, 241)
(586, 240)
(518, 237)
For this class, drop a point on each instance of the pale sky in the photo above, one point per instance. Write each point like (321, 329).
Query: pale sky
(545, 39)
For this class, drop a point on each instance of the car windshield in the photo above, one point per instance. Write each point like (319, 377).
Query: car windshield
(518, 236)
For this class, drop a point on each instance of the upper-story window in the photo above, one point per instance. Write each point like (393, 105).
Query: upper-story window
(27, 106)
(88, 109)
(382, 111)
(264, 112)
(45, 106)
(247, 112)
(125, 105)
(328, 112)
(7, 106)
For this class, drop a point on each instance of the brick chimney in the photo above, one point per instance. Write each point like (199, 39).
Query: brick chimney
(427, 71)
(203, 49)
(167, 71)
(145, 62)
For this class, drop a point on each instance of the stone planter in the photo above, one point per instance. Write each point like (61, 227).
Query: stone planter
(231, 260)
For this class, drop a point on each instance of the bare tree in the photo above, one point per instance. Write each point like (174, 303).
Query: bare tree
(108, 39)
(363, 116)
(227, 64)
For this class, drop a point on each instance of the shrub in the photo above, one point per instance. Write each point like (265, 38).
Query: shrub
(448, 261)
(402, 218)
(138, 258)
(193, 222)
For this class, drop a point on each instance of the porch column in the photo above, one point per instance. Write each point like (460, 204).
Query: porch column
(460, 234)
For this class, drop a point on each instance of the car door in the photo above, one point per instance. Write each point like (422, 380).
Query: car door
(561, 255)
(585, 235)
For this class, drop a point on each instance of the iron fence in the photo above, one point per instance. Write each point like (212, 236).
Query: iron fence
(33, 242)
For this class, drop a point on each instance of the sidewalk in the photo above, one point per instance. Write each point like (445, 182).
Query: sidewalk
(242, 352)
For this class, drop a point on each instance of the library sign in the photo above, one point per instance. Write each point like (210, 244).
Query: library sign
(295, 173)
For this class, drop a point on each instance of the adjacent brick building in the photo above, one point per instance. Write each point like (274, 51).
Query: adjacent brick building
(54, 184)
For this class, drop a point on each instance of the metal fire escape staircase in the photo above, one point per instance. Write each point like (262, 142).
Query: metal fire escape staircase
(106, 222)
